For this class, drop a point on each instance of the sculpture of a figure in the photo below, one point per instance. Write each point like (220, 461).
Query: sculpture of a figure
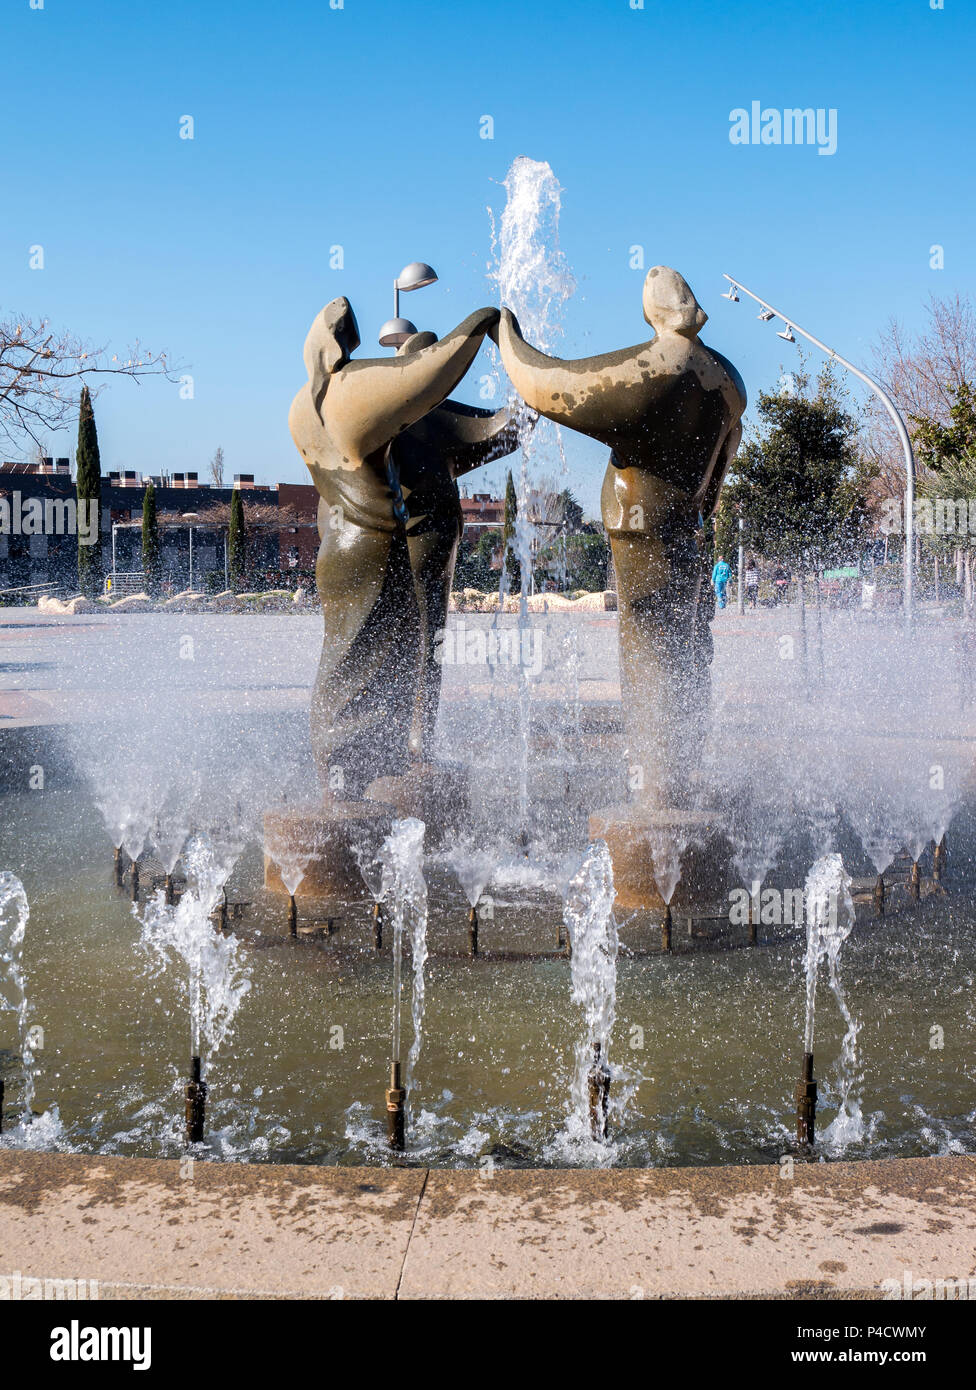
(429, 457)
(343, 422)
(669, 410)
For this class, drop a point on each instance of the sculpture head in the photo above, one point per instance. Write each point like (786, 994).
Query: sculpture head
(332, 339)
(415, 342)
(669, 305)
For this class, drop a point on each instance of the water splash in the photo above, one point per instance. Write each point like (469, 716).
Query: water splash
(217, 975)
(588, 914)
(667, 844)
(14, 916)
(830, 921)
(291, 859)
(473, 865)
(532, 274)
(405, 897)
(534, 280)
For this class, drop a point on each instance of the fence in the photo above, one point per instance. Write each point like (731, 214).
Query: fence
(122, 583)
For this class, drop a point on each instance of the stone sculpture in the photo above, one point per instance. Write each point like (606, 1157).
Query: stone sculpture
(344, 421)
(669, 410)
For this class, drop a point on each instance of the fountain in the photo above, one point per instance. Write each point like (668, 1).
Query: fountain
(473, 865)
(595, 822)
(217, 976)
(405, 895)
(829, 912)
(592, 932)
(14, 915)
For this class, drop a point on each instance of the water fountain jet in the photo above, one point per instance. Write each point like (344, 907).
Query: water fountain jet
(195, 1093)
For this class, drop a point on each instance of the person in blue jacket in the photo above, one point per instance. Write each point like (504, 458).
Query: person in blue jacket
(721, 574)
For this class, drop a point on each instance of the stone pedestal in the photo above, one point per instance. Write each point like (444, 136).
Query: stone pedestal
(436, 793)
(324, 837)
(640, 838)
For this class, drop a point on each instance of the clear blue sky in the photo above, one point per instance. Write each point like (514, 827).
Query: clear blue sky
(360, 127)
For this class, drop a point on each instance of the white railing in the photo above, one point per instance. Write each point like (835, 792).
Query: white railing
(122, 583)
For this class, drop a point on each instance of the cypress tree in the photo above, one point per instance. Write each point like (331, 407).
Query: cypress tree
(88, 489)
(151, 558)
(512, 567)
(236, 541)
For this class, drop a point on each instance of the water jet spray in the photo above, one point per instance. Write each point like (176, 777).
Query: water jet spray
(598, 1083)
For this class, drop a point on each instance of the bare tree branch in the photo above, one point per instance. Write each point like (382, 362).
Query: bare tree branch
(923, 374)
(39, 366)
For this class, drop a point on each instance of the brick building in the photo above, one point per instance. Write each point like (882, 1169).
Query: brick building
(49, 554)
(481, 513)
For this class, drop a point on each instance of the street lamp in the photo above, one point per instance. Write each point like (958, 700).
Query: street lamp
(412, 277)
(791, 327)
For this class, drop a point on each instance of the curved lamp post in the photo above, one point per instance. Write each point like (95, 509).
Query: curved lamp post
(767, 313)
(412, 277)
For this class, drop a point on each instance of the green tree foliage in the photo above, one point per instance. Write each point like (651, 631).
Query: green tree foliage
(151, 557)
(945, 505)
(473, 570)
(88, 489)
(936, 444)
(572, 512)
(801, 485)
(587, 560)
(237, 541)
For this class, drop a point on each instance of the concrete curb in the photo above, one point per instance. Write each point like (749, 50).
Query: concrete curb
(162, 1229)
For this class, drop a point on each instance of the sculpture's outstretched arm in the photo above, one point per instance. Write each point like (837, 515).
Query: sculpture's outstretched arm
(573, 393)
(371, 401)
(467, 435)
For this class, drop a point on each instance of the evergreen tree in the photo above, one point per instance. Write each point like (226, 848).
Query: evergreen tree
(512, 566)
(473, 570)
(88, 490)
(800, 486)
(587, 561)
(236, 541)
(151, 557)
(572, 512)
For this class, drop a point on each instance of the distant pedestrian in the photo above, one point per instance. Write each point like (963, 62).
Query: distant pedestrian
(752, 582)
(721, 574)
(781, 582)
